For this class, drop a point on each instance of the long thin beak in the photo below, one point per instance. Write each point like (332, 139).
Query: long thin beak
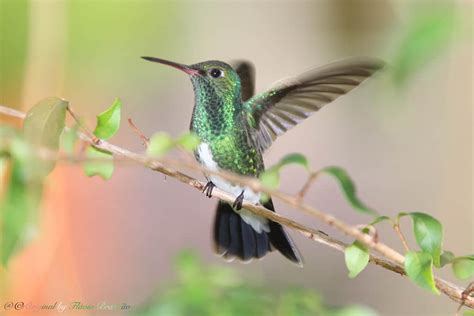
(182, 67)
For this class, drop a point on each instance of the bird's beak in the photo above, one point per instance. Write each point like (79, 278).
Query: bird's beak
(187, 69)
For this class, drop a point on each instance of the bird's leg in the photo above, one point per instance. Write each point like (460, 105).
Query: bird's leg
(208, 188)
(238, 201)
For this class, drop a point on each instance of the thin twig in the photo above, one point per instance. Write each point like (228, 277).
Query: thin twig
(400, 235)
(465, 294)
(392, 260)
(145, 140)
(312, 177)
(84, 128)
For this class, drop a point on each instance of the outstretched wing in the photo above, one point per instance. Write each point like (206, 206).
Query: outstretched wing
(246, 72)
(277, 110)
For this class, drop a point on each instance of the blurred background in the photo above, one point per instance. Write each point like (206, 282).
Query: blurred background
(405, 137)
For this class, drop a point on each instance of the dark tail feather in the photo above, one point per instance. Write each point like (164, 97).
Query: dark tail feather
(233, 237)
(281, 241)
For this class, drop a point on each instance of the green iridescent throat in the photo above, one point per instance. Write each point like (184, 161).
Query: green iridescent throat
(220, 121)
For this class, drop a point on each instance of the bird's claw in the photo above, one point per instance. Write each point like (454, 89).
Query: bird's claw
(208, 189)
(238, 201)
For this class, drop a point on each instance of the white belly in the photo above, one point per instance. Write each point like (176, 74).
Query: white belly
(258, 223)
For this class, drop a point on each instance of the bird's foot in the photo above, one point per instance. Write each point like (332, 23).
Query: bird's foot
(238, 201)
(208, 189)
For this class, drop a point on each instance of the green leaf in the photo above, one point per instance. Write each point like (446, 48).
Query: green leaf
(101, 163)
(446, 258)
(294, 158)
(270, 178)
(44, 122)
(160, 144)
(189, 141)
(463, 267)
(428, 234)
(354, 310)
(19, 200)
(468, 313)
(379, 220)
(419, 268)
(348, 188)
(14, 213)
(428, 34)
(42, 128)
(357, 258)
(108, 122)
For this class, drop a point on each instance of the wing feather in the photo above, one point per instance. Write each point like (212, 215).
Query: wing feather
(291, 101)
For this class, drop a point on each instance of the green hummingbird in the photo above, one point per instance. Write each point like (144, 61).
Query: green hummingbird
(236, 127)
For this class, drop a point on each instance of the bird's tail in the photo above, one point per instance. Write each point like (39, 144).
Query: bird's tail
(233, 237)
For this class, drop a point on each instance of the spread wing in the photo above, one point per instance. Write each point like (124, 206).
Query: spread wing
(277, 110)
(246, 72)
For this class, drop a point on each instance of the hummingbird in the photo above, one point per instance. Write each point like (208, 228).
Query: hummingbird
(236, 127)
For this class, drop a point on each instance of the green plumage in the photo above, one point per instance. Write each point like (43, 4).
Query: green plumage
(220, 121)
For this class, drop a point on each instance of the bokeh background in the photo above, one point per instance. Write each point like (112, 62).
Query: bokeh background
(405, 137)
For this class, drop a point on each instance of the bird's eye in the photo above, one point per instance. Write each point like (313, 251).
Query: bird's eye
(215, 73)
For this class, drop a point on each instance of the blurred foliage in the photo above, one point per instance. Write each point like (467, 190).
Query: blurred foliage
(21, 195)
(21, 151)
(42, 129)
(463, 267)
(14, 24)
(161, 143)
(203, 290)
(99, 163)
(428, 34)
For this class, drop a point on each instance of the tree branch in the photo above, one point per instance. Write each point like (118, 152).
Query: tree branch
(390, 259)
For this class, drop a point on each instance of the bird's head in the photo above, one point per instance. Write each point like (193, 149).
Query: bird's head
(210, 78)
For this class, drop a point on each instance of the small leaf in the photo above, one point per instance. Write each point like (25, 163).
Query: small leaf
(44, 122)
(357, 258)
(189, 141)
(42, 128)
(101, 163)
(348, 188)
(463, 267)
(428, 234)
(108, 122)
(419, 268)
(294, 158)
(446, 258)
(270, 178)
(379, 220)
(160, 144)
(354, 310)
